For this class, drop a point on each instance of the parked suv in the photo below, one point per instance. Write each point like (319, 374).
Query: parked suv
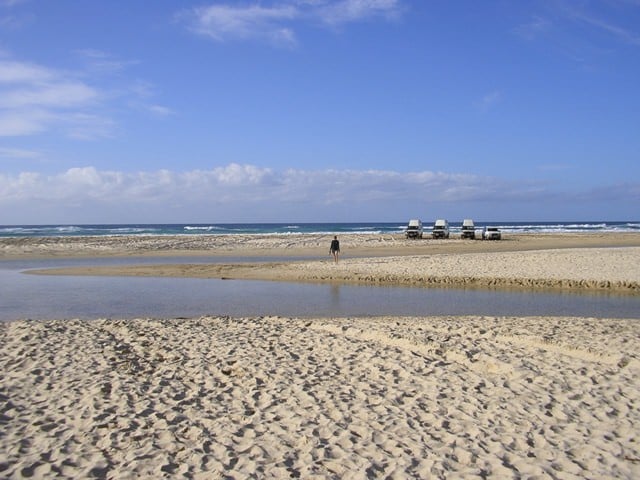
(414, 229)
(468, 229)
(492, 233)
(440, 229)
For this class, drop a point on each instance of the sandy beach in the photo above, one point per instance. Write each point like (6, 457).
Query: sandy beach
(606, 262)
(293, 245)
(330, 398)
(320, 398)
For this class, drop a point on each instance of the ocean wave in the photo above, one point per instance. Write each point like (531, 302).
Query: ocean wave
(221, 229)
(360, 228)
(208, 228)
(69, 229)
(125, 230)
(14, 230)
(34, 230)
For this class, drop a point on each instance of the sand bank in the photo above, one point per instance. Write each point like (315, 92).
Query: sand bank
(320, 398)
(294, 245)
(604, 269)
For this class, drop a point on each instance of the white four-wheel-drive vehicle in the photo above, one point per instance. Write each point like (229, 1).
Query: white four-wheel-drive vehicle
(414, 229)
(440, 229)
(468, 229)
(492, 233)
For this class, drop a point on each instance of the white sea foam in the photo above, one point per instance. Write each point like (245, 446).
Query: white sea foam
(373, 228)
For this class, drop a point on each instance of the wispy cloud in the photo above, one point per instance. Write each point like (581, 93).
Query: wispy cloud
(347, 11)
(19, 154)
(78, 104)
(35, 98)
(104, 62)
(535, 28)
(9, 20)
(57, 94)
(11, 3)
(578, 29)
(616, 31)
(16, 72)
(158, 110)
(24, 122)
(277, 23)
(224, 22)
(488, 101)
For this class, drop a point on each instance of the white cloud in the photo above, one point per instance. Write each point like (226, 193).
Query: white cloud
(60, 94)
(12, 72)
(236, 192)
(19, 154)
(222, 22)
(276, 24)
(249, 185)
(238, 175)
(23, 122)
(347, 11)
(36, 99)
(159, 110)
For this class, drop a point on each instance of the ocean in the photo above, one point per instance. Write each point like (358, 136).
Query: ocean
(301, 228)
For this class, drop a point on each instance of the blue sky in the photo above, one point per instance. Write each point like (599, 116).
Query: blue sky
(319, 110)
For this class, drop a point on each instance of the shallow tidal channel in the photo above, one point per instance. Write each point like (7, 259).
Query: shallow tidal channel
(58, 297)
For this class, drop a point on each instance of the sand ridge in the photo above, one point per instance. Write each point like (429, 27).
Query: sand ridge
(269, 397)
(606, 269)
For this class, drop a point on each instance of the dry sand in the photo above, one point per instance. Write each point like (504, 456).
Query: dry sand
(211, 398)
(294, 245)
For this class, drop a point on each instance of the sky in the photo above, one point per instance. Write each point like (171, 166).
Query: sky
(179, 111)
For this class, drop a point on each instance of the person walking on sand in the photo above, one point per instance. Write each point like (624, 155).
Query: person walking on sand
(335, 248)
